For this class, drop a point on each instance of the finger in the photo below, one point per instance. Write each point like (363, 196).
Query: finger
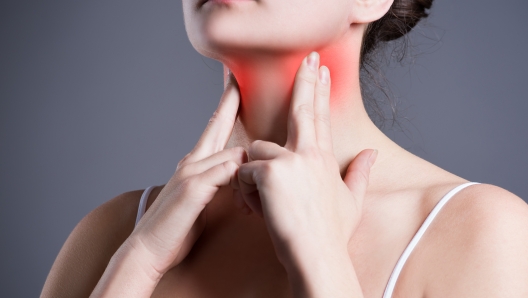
(237, 154)
(229, 78)
(263, 150)
(247, 179)
(358, 172)
(226, 75)
(220, 126)
(322, 110)
(212, 179)
(239, 202)
(237, 195)
(301, 131)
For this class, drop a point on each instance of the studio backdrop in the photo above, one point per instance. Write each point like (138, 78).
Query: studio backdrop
(102, 97)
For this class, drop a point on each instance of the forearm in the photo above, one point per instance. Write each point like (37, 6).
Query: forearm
(317, 275)
(127, 276)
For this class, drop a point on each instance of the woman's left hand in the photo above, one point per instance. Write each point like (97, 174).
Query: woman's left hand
(298, 190)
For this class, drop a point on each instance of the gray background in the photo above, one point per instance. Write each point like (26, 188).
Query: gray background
(102, 97)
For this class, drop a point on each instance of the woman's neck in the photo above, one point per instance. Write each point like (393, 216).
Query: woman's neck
(266, 85)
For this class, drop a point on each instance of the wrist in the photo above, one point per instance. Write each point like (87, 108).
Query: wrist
(136, 254)
(127, 275)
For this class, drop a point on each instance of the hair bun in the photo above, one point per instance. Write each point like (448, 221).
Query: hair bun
(402, 16)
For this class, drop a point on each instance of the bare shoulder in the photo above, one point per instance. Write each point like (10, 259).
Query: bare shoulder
(90, 246)
(479, 246)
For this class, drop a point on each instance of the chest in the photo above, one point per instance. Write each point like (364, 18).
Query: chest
(235, 257)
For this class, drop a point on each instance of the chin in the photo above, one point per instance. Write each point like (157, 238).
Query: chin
(216, 39)
(218, 31)
(214, 29)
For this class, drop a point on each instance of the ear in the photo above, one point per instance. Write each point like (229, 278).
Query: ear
(366, 11)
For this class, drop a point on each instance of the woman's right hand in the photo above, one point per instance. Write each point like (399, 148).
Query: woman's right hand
(172, 224)
(170, 227)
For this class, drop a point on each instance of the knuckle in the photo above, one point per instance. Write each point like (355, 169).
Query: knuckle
(217, 116)
(185, 171)
(265, 173)
(364, 176)
(360, 176)
(230, 166)
(237, 151)
(270, 172)
(306, 77)
(269, 168)
(275, 167)
(190, 184)
(256, 143)
(214, 117)
(322, 91)
(297, 160)
(184, 160)
(253, 146)
(305, 110)
(323, 118)
(235, 154)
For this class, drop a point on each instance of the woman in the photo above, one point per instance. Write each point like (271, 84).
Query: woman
(290, 145)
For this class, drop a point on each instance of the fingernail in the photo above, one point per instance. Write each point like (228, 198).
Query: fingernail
(312, 60)
(372, 157)
(323, 75)
(233, 79)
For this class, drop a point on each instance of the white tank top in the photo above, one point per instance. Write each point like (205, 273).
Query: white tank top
(403, 258)
(399, 265)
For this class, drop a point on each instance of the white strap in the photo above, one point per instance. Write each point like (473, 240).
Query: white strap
(396, 272)
(143, 203)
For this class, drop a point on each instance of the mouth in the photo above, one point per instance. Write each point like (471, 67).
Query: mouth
(202, 2)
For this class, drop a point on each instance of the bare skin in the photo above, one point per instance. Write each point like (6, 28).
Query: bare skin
(234, 256)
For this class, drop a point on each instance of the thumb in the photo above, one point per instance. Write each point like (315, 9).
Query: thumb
(358, 172)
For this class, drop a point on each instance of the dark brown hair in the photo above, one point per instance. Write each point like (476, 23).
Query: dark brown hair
(401, 18)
